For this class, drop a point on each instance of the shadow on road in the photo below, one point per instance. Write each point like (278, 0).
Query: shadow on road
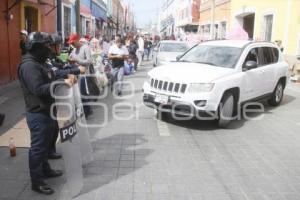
(209, 125)
(114, 157)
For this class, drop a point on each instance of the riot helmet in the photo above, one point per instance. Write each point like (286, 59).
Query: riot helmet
(37, 38)
(38, 45)
(56, 39)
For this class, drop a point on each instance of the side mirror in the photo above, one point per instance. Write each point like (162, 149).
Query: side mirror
(249, 65)
(178, 57)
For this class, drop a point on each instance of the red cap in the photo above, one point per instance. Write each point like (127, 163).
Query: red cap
(88, 37)
(73, 37)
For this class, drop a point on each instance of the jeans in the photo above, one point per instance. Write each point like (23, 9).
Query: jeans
(83, 90)
(41, 128)
(140, 56)
(118, 76)
(55, 136)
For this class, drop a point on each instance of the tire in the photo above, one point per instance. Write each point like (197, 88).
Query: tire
(161, 115)
(277, 95)
(226, 110)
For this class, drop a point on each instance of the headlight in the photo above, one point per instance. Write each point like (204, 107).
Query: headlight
(148, 79)
(200, 87)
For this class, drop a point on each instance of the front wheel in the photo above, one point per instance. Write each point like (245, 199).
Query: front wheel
(161, 115)
(226, 110)
(277, 95)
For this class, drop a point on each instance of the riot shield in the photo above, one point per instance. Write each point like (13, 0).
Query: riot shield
(84, 136)
(69, 136)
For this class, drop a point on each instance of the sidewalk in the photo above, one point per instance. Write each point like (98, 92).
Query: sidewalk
(12, 105)
(116, 154)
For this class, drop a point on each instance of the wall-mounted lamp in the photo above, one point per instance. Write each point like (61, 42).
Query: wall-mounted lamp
(9, 16)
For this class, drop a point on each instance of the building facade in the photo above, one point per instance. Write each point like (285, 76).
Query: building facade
(214, 19)
(269, 20)
(32, 15)
(187, 15)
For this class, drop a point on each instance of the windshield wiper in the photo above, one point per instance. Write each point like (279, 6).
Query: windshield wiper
(208, 63)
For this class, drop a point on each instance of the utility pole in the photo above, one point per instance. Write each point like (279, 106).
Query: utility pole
(125, 28)
(58, 17)
(78, 22)
(117, 17)
(212, 25)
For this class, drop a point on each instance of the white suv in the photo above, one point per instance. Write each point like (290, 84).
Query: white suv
(214, 78)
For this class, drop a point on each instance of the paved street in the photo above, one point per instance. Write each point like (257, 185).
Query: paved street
(147, 159)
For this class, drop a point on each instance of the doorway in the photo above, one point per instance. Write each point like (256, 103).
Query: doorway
(31, 18)
(248, 25)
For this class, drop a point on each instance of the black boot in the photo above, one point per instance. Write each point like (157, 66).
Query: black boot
(54, 156)
(42, 188)
(53, 173)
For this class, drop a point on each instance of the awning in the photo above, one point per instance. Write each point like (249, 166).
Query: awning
(98, 12)
(85, 11)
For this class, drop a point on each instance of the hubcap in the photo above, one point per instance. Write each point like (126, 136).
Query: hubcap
(279, 93)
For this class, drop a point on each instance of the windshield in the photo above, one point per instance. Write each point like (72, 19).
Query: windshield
(213, 55)
(173, 47)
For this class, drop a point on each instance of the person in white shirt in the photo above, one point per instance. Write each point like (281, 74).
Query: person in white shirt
(118, 53)
(141, 49)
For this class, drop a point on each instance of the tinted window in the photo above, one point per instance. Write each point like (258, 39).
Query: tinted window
(275, 54)
(252, 56)
(220, 56)
(267, 54)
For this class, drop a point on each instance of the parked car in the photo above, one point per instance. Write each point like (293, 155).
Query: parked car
(167, 51)
(215, 77)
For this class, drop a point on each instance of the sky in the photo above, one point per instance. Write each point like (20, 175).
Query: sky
(145, 10)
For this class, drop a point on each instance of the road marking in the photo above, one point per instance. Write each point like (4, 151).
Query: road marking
(163, 128)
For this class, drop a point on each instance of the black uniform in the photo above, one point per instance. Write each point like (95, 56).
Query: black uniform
(59, 70)
(35, 81)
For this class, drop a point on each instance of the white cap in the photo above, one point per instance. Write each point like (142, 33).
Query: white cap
(24, 32)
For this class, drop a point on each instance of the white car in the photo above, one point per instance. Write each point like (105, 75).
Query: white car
(167, 51)
(213, 78)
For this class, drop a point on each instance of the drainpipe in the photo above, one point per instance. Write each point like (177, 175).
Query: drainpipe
(78, 23)
(8, 42)
(59, 17)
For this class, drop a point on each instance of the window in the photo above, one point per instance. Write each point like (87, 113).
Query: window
(270, 55)
(67, 21)
(220, 56)
(216, 31)
(275, 54)
(223, 30)
(268, 27)
(83, 30)
(252, 56)
(173, 47)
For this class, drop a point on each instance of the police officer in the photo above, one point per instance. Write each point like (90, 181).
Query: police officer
(35, 81)
(59, 70)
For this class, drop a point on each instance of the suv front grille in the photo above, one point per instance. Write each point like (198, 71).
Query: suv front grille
(168, 86)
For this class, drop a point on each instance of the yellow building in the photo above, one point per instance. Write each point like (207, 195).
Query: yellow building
(269, 20)
(217, 13)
